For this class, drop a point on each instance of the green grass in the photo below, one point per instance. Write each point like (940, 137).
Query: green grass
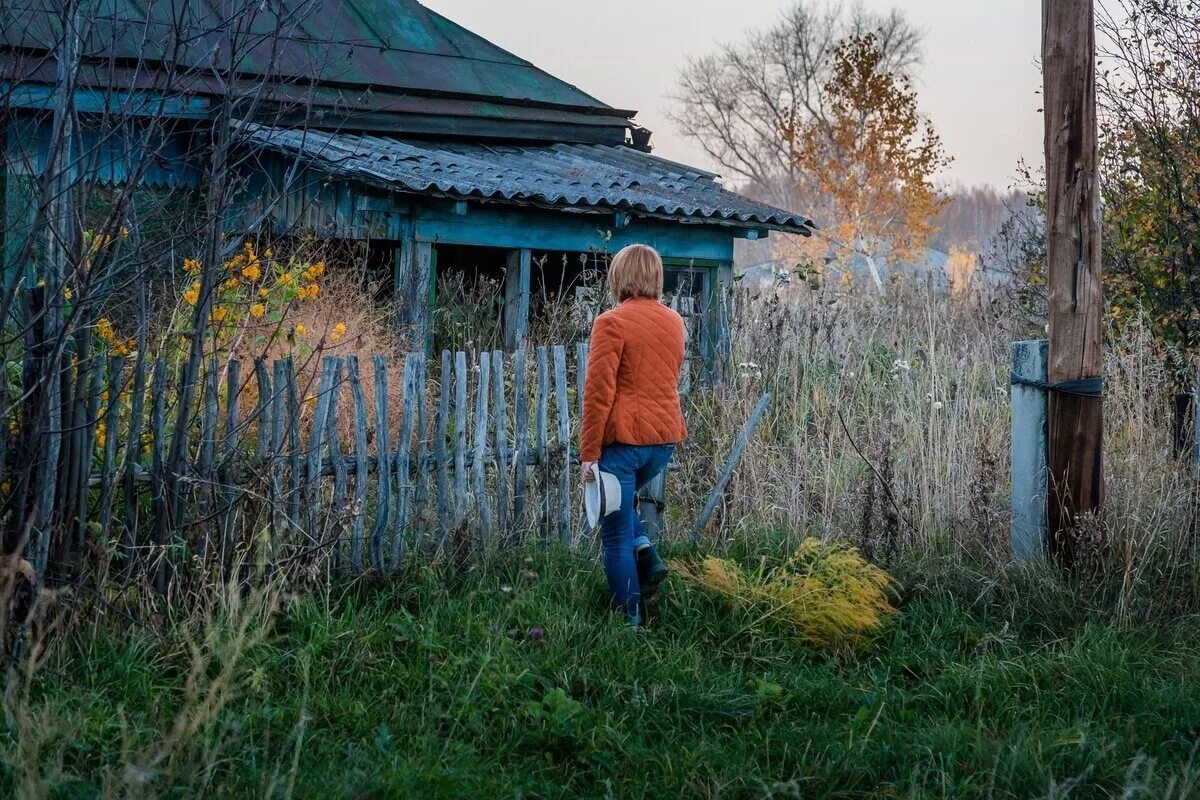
(431, 686)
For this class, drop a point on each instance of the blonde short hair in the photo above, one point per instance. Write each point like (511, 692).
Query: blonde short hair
(636, 271)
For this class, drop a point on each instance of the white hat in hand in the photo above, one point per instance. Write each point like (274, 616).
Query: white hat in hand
(601, 496)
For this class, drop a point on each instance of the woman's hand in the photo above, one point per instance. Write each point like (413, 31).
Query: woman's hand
(587, 471)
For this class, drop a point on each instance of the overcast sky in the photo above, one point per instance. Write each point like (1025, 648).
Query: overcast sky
(979, 83)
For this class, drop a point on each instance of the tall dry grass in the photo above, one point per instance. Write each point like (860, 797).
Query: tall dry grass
(890, 426)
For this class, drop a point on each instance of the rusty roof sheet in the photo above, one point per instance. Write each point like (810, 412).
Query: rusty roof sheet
(574, 176)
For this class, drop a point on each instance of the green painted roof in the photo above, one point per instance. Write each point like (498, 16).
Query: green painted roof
(394, 48)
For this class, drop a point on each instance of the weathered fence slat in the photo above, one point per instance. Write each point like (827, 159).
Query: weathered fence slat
(206, 468)
(133, 452)
(383, 510)
(108, 458)
(419, 516)
(439, 444)
(521, 445)
(714, 497)
(275, 469)
(91, 422)
(481, 437)
(230, 491)
(264, 406)
(404, 463)
(362, 480)
(564, 444)
(158, 500)
(541, 442)
(581, 359)
(460, 438)
(500, 442)
(340, 479)
(326, 387)
(295, 476)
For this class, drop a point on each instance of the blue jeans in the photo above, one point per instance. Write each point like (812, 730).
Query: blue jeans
(621, 531)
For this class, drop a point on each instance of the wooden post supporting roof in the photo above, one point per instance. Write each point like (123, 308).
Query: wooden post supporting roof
(414, 287)
(1073, 263)
(516, 298)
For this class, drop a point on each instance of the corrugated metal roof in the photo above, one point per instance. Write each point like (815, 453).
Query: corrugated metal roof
(377, 45)
(578, 176)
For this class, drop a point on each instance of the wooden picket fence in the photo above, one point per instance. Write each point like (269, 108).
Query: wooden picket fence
(481, 453)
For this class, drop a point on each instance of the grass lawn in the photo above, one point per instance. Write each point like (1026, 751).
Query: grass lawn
(431, 686)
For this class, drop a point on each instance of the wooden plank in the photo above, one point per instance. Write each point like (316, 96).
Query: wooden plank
(295, 468)
(581, 359)
(133, 451)
(440, 452)
(516, 298)
(112, 422)
(383, 457)
(521, 440)
(206, 467)
(541, 442)
(362, 479)
(460, 439)
(90, 422)
(404, 471)
(418, 516)
(158, 482)
(516, 228)
(714, 497)
(564, 443)
(481, 437)
(276, 467)
(331, 367)
(500, 442)
(1073, 267)
(231, 492)
(340, 478)
(264, 407)
(413, 283)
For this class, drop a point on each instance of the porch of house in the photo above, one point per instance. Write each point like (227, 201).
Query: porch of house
(542, 221)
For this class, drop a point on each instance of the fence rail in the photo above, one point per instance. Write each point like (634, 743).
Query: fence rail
(364, 463)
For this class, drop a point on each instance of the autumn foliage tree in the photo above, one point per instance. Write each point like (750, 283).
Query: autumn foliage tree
(873, 158)
(1149, 97)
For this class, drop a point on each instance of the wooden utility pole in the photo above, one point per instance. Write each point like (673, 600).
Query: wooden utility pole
(1073, 269)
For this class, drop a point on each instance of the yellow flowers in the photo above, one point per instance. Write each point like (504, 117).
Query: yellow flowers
(300, 330)
(220, 314)
(315, 271)
(257, 310)
(117, 346)
(308, 292)
(193, 294)
(339, 331)
(105, 329)
(191, 266)
(285, 278)
(264, 293)
(251, 272)
(67, 293)
(230, 285)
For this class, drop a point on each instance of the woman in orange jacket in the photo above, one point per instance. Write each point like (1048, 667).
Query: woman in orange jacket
(632, 418)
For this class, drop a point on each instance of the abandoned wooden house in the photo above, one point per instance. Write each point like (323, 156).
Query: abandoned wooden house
(380, 120)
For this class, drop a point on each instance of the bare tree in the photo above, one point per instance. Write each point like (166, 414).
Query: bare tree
(737, 102)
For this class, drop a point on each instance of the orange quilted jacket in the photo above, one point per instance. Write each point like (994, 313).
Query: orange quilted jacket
(631, 394)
